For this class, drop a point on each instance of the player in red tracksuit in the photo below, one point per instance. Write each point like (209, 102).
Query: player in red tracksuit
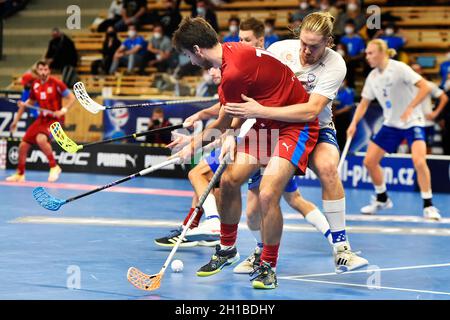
(255, 72)
(49, 93)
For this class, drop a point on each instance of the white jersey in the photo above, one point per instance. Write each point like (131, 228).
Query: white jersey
(324, 77)
(427, 104)
(394, 88)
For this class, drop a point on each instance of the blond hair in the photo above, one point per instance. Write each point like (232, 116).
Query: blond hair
(318, 22)
(383, 47)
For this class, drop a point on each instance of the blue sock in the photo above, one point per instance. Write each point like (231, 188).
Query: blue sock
(339, 236)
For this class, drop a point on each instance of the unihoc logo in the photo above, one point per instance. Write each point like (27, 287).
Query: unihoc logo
(115, 160)
(13, 155)
(64, 158)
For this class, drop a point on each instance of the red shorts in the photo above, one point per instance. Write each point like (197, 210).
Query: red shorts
(40, 125)
(293, 142)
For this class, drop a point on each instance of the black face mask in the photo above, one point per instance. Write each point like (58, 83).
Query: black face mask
(111, 34)
(156, 122)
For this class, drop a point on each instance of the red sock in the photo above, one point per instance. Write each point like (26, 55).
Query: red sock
(270, 254)
(228, 234)
(196, 220)
(51, 160)
(23, 153)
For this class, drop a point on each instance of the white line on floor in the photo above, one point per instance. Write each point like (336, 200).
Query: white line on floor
(117, 222)
(440, 265)
(374, 288)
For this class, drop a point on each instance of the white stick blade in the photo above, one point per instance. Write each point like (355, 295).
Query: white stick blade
(84, 99)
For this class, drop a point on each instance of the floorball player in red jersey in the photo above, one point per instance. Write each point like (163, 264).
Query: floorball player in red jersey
(49, 93)
(247, 70)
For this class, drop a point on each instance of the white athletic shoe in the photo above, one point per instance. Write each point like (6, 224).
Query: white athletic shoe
(347, 260)
(54, 173)
(207, 233)
(16, 178)
(248, 265)
(431, 213)
(376, 206)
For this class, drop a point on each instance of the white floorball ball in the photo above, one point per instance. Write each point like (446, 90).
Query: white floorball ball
(177, 265)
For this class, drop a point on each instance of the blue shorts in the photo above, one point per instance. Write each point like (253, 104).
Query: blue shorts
(429, 135)
(328, 135)
(213, 160)
(389, 138)
(255, 180)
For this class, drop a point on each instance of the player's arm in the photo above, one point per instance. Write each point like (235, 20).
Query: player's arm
(21, 105)
(443, 99)
(204, 114)
(301, 112)
(423, 92)
(359, 114)
(67, 101)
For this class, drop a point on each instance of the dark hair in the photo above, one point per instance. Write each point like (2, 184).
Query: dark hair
(194, 31)
(350, 21)
(254, 25)
(270, 21)
(234, 18)
(41, 63)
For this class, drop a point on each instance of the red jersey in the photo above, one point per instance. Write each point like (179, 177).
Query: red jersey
(48, 94)
(258, 74)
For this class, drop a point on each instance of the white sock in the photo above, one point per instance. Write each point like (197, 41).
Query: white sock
(380, 189)
(334, 211)
(426, 195)
(258, 238)
(210, 207)
(318, 220)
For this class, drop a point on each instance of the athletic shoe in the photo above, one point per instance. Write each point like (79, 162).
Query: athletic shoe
(431, 213)
(219, 260)
(171, 239)
(347, 260)
(206, 234)
(54, 173)
(265, 278)
(16, 177)
(251, 263)
(376, 206)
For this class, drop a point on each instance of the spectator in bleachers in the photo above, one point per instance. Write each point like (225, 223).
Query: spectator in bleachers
(444, 70)
(343, 107)
(169, 18)
(109, 48)
(130, 53)
(233, 27)
(158, 121)
(353, 12)
(431, 113)
(304, 10)
(211, 80)
(62, 56)
(355, 50)
(114, 16)
(133, 13)
(391, 35)
(159, 50)
(202, 8)
(251, 32)
(269, 32)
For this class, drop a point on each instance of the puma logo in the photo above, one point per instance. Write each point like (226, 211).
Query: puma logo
(287, 147)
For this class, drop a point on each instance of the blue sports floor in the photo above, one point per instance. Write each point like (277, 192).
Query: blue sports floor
(99, 237)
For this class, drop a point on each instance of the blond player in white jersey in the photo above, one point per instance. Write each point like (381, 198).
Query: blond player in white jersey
(400, 92)
(321, 71)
